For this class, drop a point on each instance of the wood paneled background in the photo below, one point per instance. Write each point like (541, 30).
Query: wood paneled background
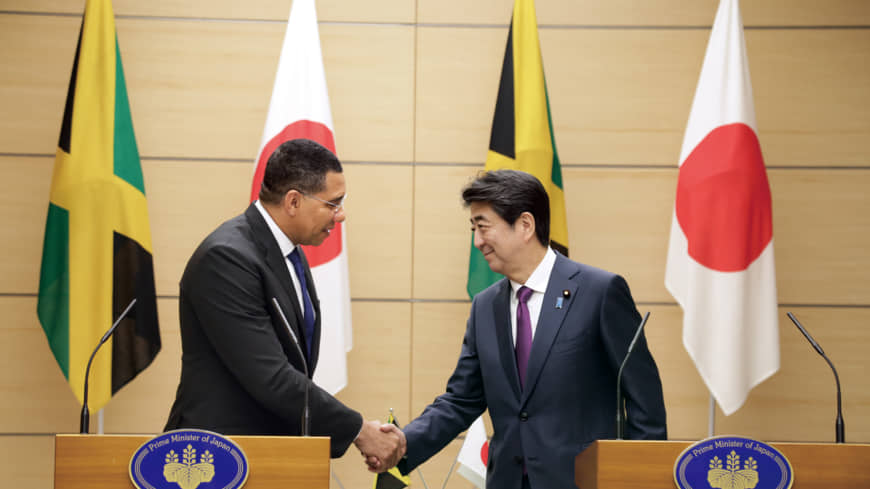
(412, 85)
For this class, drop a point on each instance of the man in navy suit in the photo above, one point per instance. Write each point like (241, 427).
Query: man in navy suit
(243, 368)
(541, 351)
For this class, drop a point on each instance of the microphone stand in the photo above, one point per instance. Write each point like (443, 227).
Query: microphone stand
(84, 420)
(620, 408)
(305, 415)
(839, 425)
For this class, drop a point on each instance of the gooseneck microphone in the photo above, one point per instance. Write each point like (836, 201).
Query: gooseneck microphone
(620, 407)
(305, 416)
(84, 420)
(839, 426)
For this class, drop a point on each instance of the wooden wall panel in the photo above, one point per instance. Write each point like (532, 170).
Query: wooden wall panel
(799, 402)
(438, 332)
(457, 80)
(623, 96)
(187, 200)
(412, 86)
(37, 57)
(370, 73)
(36, 396)
(821, 235)
(24, 188)
(378, 375)
(276, 10)
(811, 96)
(218, 109)
(619, 220)
(442, 232)
(27, 462)
(663, 13)
(142, 406)
(379, 226)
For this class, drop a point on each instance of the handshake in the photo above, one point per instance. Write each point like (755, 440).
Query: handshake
(382, 445)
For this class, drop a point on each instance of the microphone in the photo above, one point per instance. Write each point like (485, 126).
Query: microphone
(620, 404)
(839, 426)
(305, 416)
(84, 420)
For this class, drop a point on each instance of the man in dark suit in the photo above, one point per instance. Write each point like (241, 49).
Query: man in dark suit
(541, 351)
(242, 372)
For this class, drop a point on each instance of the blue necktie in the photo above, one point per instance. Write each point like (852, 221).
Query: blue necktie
(307, 308)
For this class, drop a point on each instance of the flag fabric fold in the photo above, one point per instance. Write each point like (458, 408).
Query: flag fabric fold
(393, 478)
(474, 454)
(97, 251)
(720, 266)
(522, 135)
(299, 108)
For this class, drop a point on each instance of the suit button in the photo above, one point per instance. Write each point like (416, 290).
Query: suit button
(524, 416)
(518, 459)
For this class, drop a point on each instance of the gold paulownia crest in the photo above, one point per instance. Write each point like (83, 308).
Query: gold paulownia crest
(189, 474)
(732, 477)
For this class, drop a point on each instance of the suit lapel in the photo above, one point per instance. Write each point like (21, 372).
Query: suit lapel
(501, 315)
(551, 318)
(277, 263)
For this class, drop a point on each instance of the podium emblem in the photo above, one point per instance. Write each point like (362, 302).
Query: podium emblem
(189, 459)
(730, 462)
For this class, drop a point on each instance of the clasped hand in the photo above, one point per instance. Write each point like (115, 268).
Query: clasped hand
(382, 445)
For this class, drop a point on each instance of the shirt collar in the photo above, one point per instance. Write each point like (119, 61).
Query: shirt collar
(540, 277)
(284, 242)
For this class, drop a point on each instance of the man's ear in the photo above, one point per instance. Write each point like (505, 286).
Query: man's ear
(527, 221)
(291, 202)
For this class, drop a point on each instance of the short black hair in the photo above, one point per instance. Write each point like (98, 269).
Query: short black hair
(510, 193)
(300, 164)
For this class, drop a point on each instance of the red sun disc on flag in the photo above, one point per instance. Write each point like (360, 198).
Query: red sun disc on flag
(484, 452)
(723, 201)
(315, 131)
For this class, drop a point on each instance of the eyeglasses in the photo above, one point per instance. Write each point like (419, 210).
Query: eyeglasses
(335, 207)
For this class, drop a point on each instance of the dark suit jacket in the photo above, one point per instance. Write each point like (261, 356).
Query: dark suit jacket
(240, 372)
(570, 396)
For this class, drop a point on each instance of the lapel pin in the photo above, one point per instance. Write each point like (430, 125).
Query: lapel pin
(560, 300)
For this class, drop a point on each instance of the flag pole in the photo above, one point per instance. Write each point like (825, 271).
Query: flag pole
(420, 473)
(449, 472)
(337, 480)
(711, 421)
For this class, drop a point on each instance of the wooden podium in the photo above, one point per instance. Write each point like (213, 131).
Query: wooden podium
(623, 464)
(103, 461)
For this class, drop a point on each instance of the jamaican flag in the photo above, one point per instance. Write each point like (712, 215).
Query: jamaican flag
(522, 132)
(97, 251)
(393, 478)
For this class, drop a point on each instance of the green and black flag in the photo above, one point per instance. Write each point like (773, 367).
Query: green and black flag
(392, 479)
(522, 133)
(96, 255)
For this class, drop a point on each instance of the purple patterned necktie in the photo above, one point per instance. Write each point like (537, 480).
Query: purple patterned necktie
(524, 332)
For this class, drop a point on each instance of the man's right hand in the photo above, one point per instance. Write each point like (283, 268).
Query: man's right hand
(381, 445)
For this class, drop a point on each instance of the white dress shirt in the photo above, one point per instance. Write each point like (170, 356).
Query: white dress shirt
(537, 281)
(286, 247)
